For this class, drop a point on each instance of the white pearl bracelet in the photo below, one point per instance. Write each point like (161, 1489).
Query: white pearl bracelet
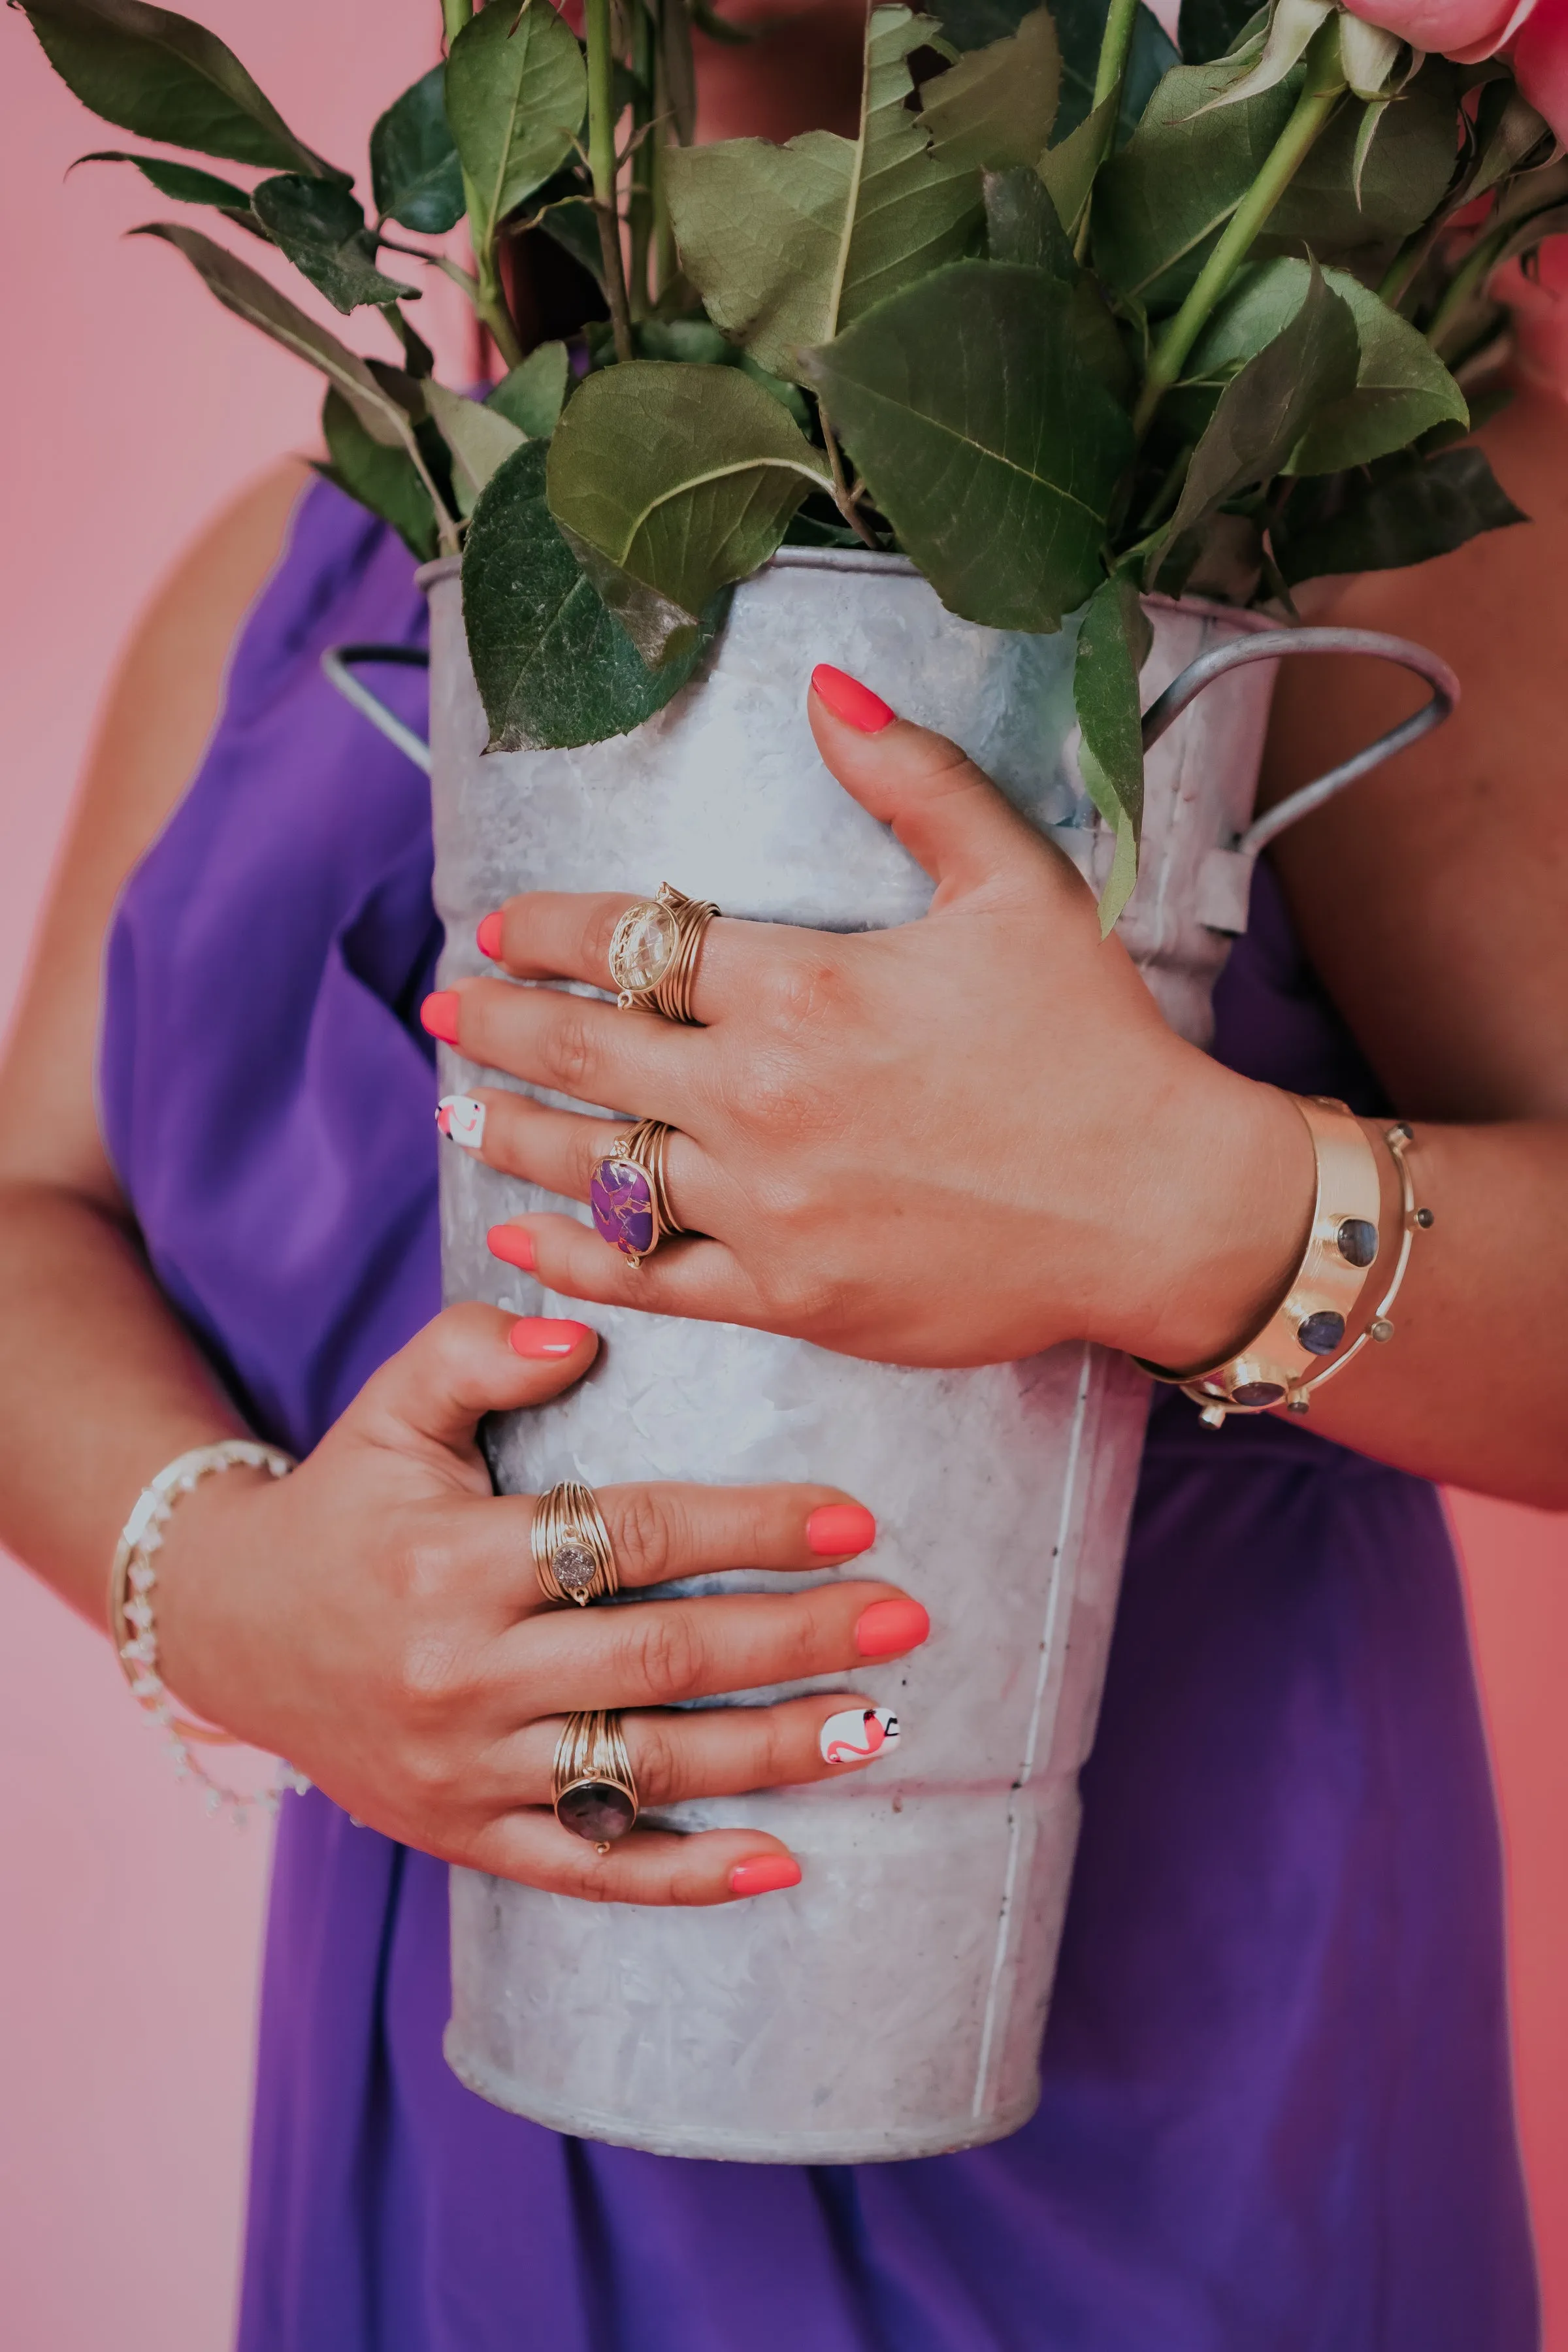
(133, 1629)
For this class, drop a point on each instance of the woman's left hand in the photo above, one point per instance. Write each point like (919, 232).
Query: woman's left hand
(955, 1141)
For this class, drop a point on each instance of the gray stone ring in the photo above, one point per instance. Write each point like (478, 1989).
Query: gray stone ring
(574, 1557)
(595, 1790)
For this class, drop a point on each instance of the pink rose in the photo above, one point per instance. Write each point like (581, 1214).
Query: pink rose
(1533, 32)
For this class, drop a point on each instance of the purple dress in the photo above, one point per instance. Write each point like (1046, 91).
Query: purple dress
(1277, 2113)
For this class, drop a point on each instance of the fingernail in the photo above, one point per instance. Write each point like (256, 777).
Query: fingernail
(543, 1338)
(463, 1119)
(857, 1735)
(889, 1626)
(835, 1528)
(849, 701)
(439, 1015)
(764, 1874)
(513, 1244)
(488, 936)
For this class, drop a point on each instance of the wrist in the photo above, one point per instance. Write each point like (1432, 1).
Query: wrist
(204, 1636)
(1228, 1205)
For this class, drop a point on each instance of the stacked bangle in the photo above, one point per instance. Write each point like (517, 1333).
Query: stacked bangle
(132, 1625)
(1312, 1334)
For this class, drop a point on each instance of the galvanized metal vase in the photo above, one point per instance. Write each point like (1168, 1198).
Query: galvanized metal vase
(892, 2005)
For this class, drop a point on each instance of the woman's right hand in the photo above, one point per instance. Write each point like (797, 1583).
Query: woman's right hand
(375, 1617)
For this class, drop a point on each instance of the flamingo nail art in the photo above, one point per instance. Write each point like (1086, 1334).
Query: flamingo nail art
(463, 1119)
(857, 1735)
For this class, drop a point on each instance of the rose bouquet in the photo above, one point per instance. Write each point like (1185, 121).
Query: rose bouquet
(1070, 318)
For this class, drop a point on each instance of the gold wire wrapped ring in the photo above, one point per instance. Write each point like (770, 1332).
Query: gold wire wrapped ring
(595, 1790)
(574, 1557)
(653, 950)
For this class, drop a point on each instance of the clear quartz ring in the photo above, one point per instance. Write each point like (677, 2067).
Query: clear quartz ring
(654, 950)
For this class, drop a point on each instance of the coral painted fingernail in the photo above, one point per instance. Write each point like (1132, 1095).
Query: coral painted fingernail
(544, 1338)
(849, 701)
(836, 1529)
(488, 936)
(857, 1735)
(889, 1626)
(765, 1874)
(439, 1015)
(463, 1119)
(513, 1244)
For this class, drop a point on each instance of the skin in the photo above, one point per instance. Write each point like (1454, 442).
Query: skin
(374, 1616)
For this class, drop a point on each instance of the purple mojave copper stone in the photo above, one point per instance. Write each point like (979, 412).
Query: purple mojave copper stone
(621, 1199)
(1257, 1392)
(598, 1810)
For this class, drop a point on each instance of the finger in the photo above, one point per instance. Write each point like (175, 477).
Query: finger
(651, 1867)
(470, 1361)
(669, 1529)
(557, 935)
(573, 1044)
(700, 1280)
(722, 1751)
(945, 810)
(667, 1653)
(558, 1150)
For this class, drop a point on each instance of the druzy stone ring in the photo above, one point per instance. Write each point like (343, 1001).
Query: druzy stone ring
(626, 1192)
(653, 950)
(574, 1557)
(595, 1791)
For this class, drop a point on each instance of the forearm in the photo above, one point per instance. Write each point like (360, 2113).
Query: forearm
(100, 1386)
(1472, 1389)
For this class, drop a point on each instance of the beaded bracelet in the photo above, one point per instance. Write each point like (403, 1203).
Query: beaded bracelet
(1285, 1363)
(133, 1630)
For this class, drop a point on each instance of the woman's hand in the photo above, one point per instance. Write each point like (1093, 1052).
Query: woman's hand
(956, 1141)
(375, 1617)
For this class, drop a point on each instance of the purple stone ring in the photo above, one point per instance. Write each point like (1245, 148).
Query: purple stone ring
(626, 1192)
(594, 1788)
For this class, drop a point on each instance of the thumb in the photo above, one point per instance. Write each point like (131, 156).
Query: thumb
(470, 1361)
(945, 810)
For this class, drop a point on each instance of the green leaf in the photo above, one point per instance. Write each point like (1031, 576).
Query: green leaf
(680, 479)
(1407, 510)
(321, 226)
(184, 184)
(1401, 388)
(1409, 166)
(415, 167)
(553, 663)
(383, 479)
(255, 299)
(1067, 170)
(479, 438)
(990, 446)
(1265, 408)
(532, 396)
(995, 107)
(1160, 206)
(517, 90)
(1081, 28)
(1113, 643)
(788, 244)
(1211, 28)
(164, 77)
(1022, 223)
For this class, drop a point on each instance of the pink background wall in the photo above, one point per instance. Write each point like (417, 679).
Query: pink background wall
(129, 1925)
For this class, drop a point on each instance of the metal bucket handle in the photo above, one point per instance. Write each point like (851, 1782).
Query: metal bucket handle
(1226, 882)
